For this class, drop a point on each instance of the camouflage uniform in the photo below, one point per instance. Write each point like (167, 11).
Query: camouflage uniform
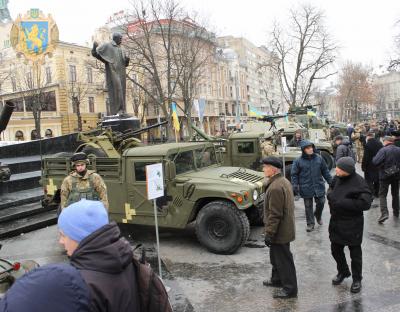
(356, 137)
(267, 148)
(90, 186)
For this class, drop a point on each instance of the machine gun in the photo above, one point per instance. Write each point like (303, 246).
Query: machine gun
(109, 143)
(5, 116)
(271, 120)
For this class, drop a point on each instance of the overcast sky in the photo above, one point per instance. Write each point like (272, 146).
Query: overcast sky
(363, 28)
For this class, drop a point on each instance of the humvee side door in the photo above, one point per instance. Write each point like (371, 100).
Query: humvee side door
(245, 152)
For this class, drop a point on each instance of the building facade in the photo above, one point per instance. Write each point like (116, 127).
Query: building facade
(387, 88)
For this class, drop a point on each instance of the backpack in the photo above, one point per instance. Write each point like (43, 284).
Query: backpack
(153, 296)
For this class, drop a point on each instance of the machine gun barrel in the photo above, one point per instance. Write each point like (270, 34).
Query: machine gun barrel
(5, 115)
(201, 133)
(131, 133)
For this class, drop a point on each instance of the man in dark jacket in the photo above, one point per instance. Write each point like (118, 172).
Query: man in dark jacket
(388, 161)
(348, 198)
(102, 256)
(371, 172)
(55, 287)
(279, 228)
(308, 174)
(344, 150)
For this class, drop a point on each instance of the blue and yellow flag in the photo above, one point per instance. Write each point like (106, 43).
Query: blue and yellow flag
(175, 120)
(253, 112)
(311, 113)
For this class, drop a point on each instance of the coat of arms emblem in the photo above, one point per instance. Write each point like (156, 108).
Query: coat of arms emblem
(34, 35)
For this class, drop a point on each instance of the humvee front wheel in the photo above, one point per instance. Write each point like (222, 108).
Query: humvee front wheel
(221, 227)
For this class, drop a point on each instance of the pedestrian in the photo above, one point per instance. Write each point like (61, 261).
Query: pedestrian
(358, 138)
(388, 161)
(308, 173)
(344, 149)
(396, 135)
(296, 140)
(349, 131)
(279, 228)
(348, 198)
(82, 183)
(371, 172)
(55, 287)
(267, 145)
(101, 255)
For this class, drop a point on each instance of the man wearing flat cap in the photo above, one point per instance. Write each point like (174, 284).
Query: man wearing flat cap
(82, 183)
(388, 162)
(279, 228)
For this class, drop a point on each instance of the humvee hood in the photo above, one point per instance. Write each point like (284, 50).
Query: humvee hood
(227, 175)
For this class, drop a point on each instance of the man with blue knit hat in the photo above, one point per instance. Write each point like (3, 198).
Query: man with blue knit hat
(102, 256)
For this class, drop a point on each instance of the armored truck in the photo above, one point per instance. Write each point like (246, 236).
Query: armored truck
(220, 200)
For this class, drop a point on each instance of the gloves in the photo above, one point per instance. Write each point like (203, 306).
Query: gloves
(268, 240)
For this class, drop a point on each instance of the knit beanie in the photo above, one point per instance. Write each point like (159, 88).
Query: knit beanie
(82, 218)
(346, 164)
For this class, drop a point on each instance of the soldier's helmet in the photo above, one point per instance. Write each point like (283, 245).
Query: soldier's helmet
(79, 157)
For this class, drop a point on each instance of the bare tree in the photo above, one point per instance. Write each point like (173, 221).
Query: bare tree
(394, 63)
(5, 73)
(355, 91)
(303, 53)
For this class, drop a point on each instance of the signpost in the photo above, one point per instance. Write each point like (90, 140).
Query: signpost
(284, 147)
(155, 189)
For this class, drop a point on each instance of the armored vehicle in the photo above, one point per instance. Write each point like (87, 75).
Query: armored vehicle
(220, 200)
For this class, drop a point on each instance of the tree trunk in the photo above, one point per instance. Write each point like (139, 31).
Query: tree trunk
(78, 114)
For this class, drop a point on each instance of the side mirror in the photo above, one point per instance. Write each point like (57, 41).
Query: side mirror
(170, 170)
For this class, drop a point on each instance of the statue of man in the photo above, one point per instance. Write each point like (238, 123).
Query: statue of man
(115, 60)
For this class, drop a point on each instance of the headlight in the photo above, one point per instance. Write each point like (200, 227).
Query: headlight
(255, 195)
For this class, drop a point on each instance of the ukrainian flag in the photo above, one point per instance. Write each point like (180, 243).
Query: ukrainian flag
(253, 112)
(311, 113)
(175, 120)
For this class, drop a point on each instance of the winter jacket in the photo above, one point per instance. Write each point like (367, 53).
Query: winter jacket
(55, 287)
(308, 174)
(279, 210)
(104, 259)
(371, 172)
(347, 199)
(387, 157)
(344, 150)
(295, 142)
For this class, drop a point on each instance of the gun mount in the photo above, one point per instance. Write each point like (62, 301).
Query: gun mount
(109, 143)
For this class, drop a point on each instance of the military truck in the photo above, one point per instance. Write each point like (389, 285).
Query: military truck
(220, 200)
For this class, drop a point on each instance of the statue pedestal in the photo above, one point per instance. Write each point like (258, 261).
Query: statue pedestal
(120, 123)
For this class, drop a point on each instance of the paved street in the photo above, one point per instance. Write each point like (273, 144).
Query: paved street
(201, 281)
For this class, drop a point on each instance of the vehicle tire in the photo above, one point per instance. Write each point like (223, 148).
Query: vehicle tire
(288, 172)
(328, 159)
(63, 154)
(91, 151)
(255, 215)
(221, 227)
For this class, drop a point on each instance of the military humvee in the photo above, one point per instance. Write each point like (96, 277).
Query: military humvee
(220, 200)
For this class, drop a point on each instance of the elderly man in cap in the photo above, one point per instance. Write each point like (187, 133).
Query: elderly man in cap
(348, 198)
(101, 255)
(388, 161)
(279, 228)
(82, 183)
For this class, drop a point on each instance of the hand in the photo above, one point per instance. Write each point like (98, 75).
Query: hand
(268, 240)
(296, 190)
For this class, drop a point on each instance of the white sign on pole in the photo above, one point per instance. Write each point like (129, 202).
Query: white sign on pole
(154, 181)
(284, 144)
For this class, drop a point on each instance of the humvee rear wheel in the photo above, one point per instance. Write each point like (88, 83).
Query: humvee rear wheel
(328, 159)
(221, 227)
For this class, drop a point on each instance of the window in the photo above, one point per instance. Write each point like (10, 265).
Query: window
(48, 75)
(140, 170)
(245, 147)
(233, 110)
(72, 73)
(91, 104)
(29, 81)
(46, 100)
(89, 73)
(205, 157)
(184, 162)
(7, 43)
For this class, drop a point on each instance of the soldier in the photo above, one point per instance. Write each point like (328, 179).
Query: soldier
(267, 146)
(82, 183)
(358, 138)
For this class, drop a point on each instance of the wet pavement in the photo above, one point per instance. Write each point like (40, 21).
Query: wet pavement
(201, 281)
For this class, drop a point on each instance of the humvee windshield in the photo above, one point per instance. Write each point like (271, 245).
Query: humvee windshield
(186, 161)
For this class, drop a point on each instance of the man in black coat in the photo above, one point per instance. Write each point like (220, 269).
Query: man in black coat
(101, 255)
(371, 172)
(388, 161)
(349, 197)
